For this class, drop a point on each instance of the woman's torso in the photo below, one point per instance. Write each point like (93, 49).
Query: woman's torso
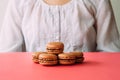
(71, 23)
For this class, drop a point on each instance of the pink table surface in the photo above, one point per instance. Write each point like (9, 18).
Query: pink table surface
(97, 66)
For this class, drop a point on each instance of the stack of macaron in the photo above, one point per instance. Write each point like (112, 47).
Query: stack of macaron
(54, 55)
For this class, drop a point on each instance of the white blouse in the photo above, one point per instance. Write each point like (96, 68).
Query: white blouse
(82, 25)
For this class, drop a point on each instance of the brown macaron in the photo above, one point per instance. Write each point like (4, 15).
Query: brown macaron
(35, 56)
(48, 59)
(66, 58)
(79, 56)
(55, 47)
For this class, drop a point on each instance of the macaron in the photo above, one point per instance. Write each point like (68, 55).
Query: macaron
(66, 58)
(35, 56)
(48, 59)
(55, 47)
(79, 56)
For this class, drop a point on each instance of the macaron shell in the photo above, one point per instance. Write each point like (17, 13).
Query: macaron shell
(54, 52)
(66, 56)
(48, 56)
(80, 60)
(77, 54)
(43, 62)
(55, 45)
(66, 62)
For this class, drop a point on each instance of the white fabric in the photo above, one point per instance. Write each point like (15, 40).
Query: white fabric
(82, 25)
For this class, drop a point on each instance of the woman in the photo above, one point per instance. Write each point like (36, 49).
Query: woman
(82, 25)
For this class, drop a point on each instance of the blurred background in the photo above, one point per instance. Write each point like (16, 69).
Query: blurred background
(115, 4)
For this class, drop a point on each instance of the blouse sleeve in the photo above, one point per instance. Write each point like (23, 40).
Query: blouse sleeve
(11, 39)
(108, 38)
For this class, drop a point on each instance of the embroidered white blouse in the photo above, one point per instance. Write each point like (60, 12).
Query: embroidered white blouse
(82, 25)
